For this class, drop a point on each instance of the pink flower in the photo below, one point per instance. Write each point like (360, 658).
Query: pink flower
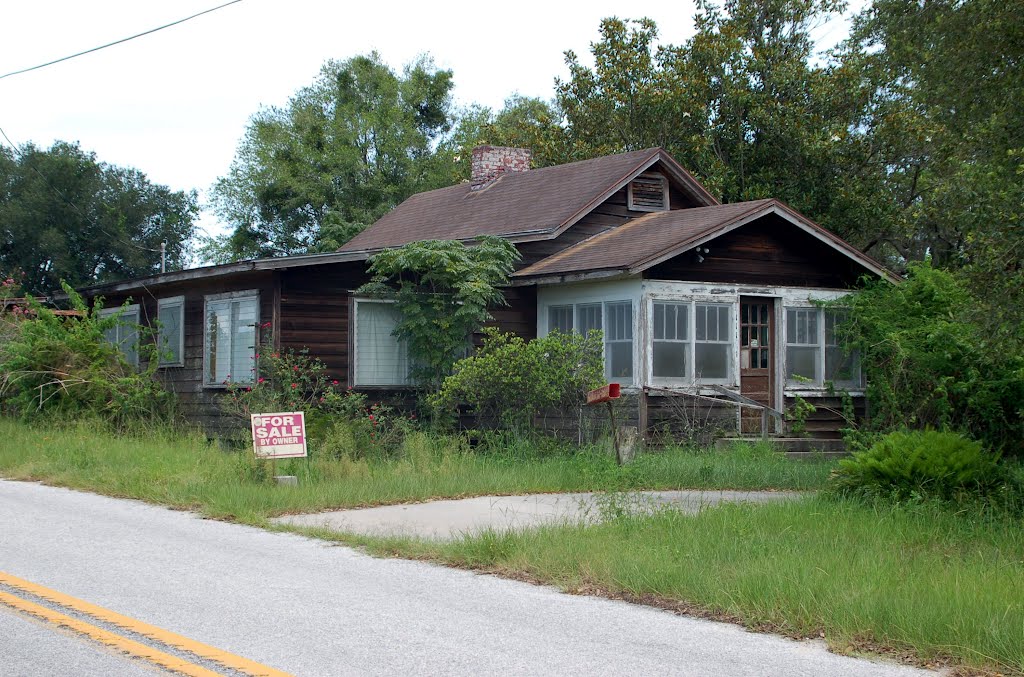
(295, 385)
(295, 368)
(260, 380)
(334, 382)
(371, 417)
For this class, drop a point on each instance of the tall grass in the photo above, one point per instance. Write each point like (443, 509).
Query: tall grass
(185, 470)
(922, 578)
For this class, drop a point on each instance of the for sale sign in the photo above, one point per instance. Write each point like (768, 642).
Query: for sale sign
(279, 435)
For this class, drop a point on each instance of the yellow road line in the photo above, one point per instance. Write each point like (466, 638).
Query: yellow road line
(106, 637)
(159, 634)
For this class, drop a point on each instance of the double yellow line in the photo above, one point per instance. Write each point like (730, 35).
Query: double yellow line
(111, 639)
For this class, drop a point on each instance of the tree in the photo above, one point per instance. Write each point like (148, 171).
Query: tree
(443, 290)
(743, 104)
(342, 152)
(66, 216)
(947, 80)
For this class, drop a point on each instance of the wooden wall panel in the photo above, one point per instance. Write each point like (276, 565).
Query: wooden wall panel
(769, 251)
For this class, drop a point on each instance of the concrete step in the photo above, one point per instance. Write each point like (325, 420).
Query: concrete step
(793, 447)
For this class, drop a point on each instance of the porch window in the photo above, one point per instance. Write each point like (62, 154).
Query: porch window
(125, 334)
(814, 352)
(713, 342)
(671, 340)
(229, 347)
(615, 318)
(380, 358)
(618, 342)
(171, 335)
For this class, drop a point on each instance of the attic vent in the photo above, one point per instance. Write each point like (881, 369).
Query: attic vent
(648, 193)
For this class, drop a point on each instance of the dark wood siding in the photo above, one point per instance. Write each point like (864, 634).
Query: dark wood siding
(768, 251)
(828, 418)
(315, 312)
(198, 403)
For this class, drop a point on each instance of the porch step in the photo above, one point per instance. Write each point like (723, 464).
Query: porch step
(793, 447)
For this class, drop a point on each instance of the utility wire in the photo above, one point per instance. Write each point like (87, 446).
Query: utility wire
(118, 42)
(71, 203)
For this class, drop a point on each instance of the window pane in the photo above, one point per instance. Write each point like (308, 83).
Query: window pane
(702, 323)
(589, 317)
(218, 341)
(129, 337)
(723, 324)
(243, 340)
(380, 358)
(620, 361)
(170, 316)
(840, 367)
(670, 359)
(803, 362)
(620, 321)
(560, 319)
(711, 361)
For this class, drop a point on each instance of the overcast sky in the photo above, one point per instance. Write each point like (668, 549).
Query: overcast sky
(174, 104)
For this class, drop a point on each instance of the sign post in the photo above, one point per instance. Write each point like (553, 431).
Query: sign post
(279, 435)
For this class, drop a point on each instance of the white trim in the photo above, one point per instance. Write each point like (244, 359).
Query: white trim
(172, 301)
(248, 294)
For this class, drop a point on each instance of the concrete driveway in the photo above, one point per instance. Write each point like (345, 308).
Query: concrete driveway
(450, 519)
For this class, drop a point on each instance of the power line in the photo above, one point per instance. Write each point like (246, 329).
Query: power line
(118, 42)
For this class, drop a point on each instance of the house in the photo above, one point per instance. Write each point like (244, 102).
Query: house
(695, 298)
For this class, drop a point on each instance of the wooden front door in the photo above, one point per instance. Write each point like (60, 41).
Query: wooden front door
(757, 358)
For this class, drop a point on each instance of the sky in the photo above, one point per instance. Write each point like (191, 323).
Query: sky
(174, 104)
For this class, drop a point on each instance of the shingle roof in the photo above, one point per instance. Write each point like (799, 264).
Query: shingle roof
(654, 237)
(531, 204)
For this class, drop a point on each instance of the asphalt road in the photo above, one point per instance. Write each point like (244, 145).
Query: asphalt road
(309, 608)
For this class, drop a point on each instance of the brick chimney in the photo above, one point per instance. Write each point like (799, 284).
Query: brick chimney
(490, 162)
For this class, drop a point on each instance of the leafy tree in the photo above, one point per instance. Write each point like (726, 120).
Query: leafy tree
(523, 122)
(947, 78)
(743, 104)
(342, 152)
(443, 290)
(65, 215)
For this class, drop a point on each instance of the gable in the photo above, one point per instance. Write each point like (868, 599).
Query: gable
(767, 251)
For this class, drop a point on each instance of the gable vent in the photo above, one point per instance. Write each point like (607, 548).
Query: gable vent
(648, 193)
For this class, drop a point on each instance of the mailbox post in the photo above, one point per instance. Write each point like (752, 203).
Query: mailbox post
(607, 393)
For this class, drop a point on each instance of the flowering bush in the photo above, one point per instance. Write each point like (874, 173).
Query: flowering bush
(339, 420)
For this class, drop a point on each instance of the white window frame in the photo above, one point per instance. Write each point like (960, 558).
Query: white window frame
(131, 310)
(170, 302)
(246, 295)
(603, 303)
(819, 381)
(691, 378)
(356, 382)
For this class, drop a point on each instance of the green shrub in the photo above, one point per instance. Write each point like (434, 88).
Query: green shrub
(929, 362)
(63, 366)
(922, 465)
(509, 381)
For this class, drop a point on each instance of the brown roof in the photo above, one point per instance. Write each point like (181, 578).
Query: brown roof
(525, 205)
(655, 237)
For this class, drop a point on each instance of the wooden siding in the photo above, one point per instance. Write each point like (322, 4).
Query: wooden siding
(827, 421)
(198, 403)
(768, 251)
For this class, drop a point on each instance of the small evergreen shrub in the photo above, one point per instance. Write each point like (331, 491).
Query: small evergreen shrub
(928, 464)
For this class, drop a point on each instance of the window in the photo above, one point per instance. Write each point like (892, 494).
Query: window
(671, 340)
(648, 193)
(615, 318)
(618, 342)
(814, 353)
(171, 334)
(125, 334)
(713, 342)
(381, 359)
(230, 339)
(691, 342)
